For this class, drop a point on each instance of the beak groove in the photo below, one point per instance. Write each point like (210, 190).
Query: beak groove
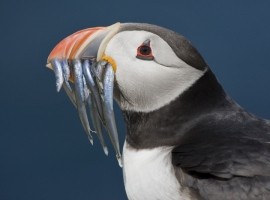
(87, 77)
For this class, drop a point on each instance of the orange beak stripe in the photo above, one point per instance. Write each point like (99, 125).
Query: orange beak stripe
(68, 48)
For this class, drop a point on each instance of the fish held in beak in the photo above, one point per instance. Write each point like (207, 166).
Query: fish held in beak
(87, 77)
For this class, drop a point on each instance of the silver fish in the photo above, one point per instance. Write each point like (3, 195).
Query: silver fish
(108, 82)
(70, 94)
(99, 69)
(57, 68)
(92, 87)
(66, 73)
(80, 97)
(96, 122)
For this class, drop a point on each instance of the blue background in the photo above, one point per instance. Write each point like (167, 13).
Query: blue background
(44, 153)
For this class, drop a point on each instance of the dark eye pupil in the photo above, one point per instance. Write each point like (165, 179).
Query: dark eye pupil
(145, 50)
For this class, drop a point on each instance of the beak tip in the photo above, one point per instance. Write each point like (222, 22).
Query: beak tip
(49, 65)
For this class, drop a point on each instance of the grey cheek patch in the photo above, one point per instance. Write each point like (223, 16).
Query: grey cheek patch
(92, 95)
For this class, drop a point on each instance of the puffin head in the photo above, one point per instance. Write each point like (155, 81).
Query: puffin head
(154, 66)
(150, 66)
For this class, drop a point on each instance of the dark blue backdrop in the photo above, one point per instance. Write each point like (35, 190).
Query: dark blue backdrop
(44, 153)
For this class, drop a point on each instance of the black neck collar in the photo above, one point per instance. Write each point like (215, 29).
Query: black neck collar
(167, 125)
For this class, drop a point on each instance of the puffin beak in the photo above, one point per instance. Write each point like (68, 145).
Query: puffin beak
(87, 76)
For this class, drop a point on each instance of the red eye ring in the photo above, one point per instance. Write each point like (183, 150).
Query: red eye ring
(144, 51)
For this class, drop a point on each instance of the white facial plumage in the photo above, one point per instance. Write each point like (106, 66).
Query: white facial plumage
(148, 85)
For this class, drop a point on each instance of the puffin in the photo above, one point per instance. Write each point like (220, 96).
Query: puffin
(186, 139)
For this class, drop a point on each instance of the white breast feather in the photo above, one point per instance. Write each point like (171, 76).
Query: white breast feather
(149, 175)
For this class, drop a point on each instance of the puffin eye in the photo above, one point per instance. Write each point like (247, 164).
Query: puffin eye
(144, 52)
